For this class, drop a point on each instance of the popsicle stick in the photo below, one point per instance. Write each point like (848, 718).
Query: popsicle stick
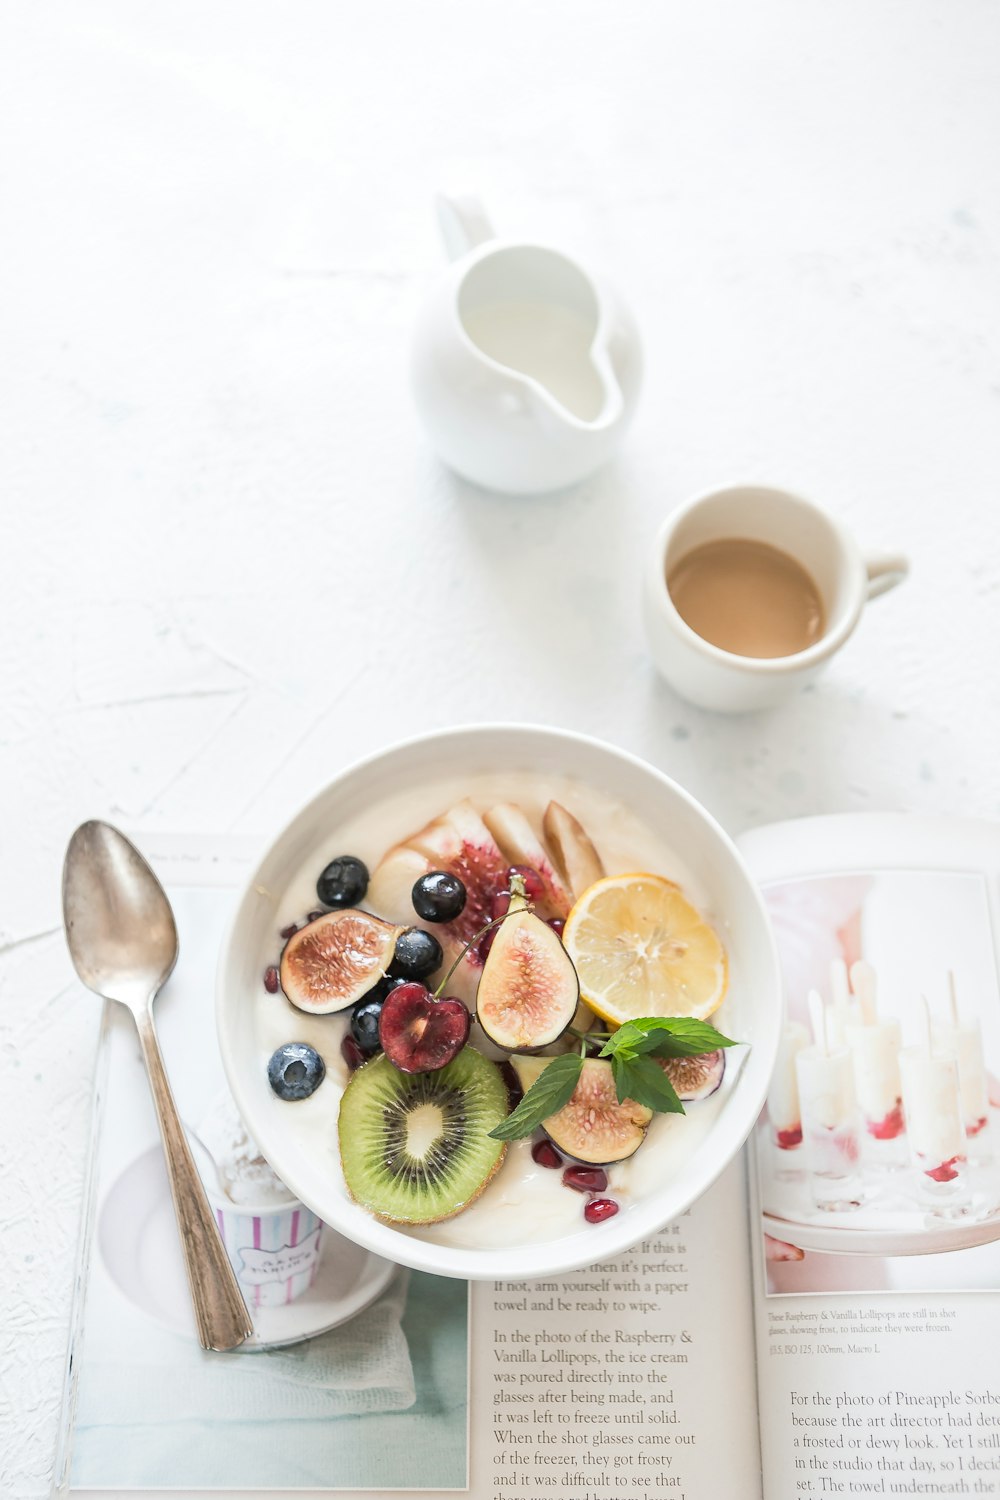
(952, 998)
(928, 1035)
(863, 980)
(817, 1014)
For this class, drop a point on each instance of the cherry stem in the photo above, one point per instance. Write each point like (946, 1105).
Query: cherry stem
(517, 889)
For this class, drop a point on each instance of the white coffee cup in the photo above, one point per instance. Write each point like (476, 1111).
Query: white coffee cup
(720, 680)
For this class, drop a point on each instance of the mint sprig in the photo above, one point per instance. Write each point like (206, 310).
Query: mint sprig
(664, 1036)
(546, 1096)
(644, 1081)
(632, 1051)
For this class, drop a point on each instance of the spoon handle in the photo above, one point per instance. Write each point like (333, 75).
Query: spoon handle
(219, 1309)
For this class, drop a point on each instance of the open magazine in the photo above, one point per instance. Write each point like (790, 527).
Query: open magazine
(825, 1321)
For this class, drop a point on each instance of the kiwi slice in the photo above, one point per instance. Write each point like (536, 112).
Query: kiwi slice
(416, 1146)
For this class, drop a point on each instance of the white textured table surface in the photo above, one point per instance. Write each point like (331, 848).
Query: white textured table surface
(231, 564)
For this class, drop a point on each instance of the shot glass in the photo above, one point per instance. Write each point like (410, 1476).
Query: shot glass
(830, 1127)
(933, 1105)
(874, 1052)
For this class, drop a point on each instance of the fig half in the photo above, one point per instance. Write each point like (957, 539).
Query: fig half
(529, 991)
(695, 1077)
(331, 962)
(593, 1127)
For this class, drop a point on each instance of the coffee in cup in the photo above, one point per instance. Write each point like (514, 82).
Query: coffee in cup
(750, 591)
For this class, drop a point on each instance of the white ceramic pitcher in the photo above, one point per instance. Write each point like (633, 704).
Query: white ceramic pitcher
(526, 369)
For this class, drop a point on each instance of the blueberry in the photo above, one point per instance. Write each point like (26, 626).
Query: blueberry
(364, 1023)
(438, 897)
(343, 882)
(295, 1071)
(418, 953)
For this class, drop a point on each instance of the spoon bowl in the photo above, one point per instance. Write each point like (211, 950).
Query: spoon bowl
(122, 940)
(119, 926)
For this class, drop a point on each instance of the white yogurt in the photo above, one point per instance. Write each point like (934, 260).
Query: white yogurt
(524, 1202)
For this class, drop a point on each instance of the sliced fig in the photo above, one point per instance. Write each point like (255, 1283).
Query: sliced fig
(330, 963)
(521, 846)
(572, 849)
(695, 1077)
(529, 992)
(593, 1127)
(459, 842)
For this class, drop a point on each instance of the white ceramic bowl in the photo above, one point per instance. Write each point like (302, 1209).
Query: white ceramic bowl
(752, 1011)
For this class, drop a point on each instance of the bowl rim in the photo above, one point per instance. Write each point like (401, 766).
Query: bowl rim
(545, 1257)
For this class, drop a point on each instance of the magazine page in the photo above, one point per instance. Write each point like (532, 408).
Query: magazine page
(876, 1166)
(631, 1377)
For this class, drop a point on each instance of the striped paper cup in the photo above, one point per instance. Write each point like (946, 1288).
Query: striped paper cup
(274, 1250)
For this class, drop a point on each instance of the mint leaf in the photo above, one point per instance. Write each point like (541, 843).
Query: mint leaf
(547, 1095)
(664, 1036)
(644, 1081)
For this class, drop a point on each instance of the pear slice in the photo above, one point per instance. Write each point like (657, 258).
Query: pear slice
(529, 992)
(522, 846)
(572, 848)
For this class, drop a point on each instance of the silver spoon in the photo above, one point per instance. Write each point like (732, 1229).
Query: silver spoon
(123, 942)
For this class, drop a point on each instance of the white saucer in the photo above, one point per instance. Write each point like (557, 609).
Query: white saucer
(137, 1236)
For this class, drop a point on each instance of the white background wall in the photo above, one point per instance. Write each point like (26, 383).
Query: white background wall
(230, 563)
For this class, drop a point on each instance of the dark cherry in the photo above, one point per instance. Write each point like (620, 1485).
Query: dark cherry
(599, 1209)
(558, 925)
(546, 1155)
(418, 953)
(586, 1179)
(271, 980)
(439, 896)
(343, 882)
(534, 886)
(420, 1034)
(364, 1022)
(351, 1052)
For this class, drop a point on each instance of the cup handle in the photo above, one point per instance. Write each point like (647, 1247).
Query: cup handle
(463, 224)
(885, 570)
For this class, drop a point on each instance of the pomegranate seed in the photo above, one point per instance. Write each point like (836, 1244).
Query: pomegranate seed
(313, 915)
(558, 925)
(586, 1179)
(599, 1209)
(351, 1052)
(546, 1155)
(271, 980)
(289, 931)
(534, 886)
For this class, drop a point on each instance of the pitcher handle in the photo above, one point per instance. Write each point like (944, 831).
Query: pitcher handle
(885, 570)
(463, 224)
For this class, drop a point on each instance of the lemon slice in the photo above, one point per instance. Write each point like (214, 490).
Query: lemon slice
(641, 949)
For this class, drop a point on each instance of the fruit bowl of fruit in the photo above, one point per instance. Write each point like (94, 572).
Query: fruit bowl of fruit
(499, 1002)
